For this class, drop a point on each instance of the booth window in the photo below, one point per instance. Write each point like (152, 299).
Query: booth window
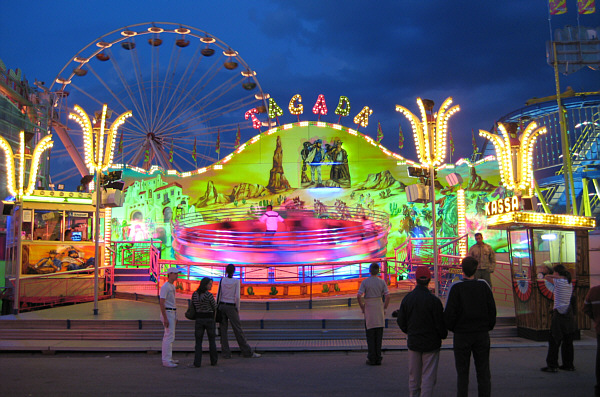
(79, 226)
(521, 254)
(47, 225)
(553, 247)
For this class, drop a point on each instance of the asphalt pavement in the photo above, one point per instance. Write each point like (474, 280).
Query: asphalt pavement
(515, 372)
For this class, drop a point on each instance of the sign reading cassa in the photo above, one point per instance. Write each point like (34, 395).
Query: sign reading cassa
(502, 206)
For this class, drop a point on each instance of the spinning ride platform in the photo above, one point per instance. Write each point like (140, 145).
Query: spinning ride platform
(305, 237)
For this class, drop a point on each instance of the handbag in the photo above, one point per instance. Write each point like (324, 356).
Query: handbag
(218, 313)
(190, 313)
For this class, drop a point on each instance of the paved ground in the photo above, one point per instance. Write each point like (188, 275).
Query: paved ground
(515, 372)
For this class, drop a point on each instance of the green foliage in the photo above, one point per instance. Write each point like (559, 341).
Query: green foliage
(281, 199)
(273, 291)
(325, 288)
(336, 288)
(395, 210)
(235, 202)
(179, 286)
(264, 203)
(250, 291)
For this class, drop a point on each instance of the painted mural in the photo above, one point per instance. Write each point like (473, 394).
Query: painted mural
(312, 162)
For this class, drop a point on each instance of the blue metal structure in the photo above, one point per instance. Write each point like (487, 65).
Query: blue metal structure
(583, 127)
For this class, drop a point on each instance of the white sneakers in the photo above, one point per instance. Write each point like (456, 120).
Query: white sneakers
(175, 361)
(255, 355)
(170, 364)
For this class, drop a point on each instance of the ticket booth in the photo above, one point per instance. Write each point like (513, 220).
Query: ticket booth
(51, 250)
(537, 241)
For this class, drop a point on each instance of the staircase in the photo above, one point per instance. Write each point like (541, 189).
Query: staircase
(255, 330)
(131, 275)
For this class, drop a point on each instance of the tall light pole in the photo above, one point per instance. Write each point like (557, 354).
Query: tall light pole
(16, 187)
(97, 159)
(572, 48)
(430, 138)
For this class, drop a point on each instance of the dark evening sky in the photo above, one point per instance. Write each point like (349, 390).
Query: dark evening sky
(488, 55)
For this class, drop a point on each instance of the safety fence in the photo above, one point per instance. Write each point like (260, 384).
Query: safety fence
(72, 286)
(318, 226)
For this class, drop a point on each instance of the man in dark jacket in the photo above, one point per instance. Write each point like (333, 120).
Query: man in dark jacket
(421, 318)
(471, 313)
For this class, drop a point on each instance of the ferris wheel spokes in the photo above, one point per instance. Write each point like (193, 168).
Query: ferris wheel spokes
(183, 98)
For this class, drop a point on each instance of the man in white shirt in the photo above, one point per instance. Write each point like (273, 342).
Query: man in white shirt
(271, 219)
(229, 305)
(168, 315)
(373, 298)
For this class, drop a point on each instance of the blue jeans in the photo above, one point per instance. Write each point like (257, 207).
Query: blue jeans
(477, 343)
(208, 325)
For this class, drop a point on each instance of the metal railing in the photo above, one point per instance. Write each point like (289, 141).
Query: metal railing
(239, 227)
(73, 286)
(419, 251)
(305, 276)
(132, 253)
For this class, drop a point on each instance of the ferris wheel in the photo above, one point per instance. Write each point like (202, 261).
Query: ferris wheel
(188, 92)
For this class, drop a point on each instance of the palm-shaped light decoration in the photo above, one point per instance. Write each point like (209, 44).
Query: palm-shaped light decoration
(96, 158)
(16, 176)
(430, 132)
(515, 155)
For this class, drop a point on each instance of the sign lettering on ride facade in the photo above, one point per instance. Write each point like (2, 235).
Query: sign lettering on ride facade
(503, 206)
(320, 108)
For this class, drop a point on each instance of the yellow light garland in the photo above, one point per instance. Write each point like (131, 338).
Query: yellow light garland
(98, 159)
(517, 177)
(15, 181)
(435, 154)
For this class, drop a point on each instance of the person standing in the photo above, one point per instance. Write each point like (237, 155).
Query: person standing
(229, 305)
(205, 304)
(373, 298)
(485, 256)
(421, 318)
(471, 313)
(271, 219)
(315, 159)
(591, 307)
(339, 169)
(562, 327)
(168, 315)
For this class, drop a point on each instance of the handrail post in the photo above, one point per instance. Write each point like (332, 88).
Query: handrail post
(311, 286)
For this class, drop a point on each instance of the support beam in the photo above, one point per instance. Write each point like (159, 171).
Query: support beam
(61, 131)
(585, 200)
(541, 198)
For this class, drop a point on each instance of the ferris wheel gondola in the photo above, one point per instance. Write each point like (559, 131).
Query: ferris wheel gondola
(188, 92)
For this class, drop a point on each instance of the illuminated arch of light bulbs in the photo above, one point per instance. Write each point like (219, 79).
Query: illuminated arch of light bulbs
(16, 178)
(517, 177)
(96, 158)
(436, 155)
(218, 166)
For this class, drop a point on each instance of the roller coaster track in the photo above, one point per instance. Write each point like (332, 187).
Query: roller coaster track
(585, 153)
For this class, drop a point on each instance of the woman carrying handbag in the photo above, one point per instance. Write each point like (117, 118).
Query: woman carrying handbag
(229, 304)
(205, 305)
